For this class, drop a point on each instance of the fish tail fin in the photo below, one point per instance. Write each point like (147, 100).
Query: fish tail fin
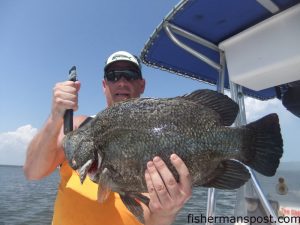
(263, 151)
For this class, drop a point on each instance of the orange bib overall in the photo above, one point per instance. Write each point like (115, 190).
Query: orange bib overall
(76, 203)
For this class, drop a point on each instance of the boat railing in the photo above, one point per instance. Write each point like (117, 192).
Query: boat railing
(236, 94)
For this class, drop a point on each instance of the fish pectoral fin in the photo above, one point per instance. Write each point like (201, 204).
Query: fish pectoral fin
(133, 206)
(103, 193)
(230, 174)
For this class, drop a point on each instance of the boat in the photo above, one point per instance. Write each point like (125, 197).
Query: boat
(251, 48)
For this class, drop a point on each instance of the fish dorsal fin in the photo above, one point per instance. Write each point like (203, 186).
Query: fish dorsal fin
(230, 175)
(220, 103)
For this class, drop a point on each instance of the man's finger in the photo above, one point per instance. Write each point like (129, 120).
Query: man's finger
(77, 85)
(154, 201)
(158, 184)
(184, 175)
(167, 177)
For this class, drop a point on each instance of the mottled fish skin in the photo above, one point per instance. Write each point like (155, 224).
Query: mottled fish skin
(114, 147)
(129, 134)
(138, 130)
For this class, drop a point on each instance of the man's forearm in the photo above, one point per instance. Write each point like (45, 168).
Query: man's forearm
(44, 153)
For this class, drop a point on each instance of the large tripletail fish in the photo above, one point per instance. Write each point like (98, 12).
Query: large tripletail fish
(114, 147)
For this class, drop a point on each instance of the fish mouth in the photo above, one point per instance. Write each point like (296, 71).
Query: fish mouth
(90, 168)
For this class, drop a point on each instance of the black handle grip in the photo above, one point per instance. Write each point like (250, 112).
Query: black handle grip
(68, 116)
(68, 121)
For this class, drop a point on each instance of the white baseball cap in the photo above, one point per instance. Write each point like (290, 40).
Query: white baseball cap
(122, 56)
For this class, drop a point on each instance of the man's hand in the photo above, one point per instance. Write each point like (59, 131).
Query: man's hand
(167, 196)
(65, 96)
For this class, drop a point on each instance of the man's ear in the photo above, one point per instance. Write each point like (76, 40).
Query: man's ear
(143, 85)
(103, 85)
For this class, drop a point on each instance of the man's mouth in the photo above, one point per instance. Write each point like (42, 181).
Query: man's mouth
(122, 95)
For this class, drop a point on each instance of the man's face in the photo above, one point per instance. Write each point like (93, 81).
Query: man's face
(117, 91)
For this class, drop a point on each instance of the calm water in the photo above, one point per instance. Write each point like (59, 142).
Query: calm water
(24, 202)
(31, 203)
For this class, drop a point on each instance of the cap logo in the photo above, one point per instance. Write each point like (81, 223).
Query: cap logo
(115, 57)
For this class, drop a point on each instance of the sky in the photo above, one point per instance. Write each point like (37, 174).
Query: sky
(41, 40)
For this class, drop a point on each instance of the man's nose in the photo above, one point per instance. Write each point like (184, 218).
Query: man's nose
(122, 81)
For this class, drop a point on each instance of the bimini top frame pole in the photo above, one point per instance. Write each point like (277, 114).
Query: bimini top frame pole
(170, 28)
(237, 95)
(173, 29)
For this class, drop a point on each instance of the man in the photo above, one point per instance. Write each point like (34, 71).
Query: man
(77, 203)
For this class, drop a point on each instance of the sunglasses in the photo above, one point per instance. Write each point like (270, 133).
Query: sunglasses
(129, 75)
